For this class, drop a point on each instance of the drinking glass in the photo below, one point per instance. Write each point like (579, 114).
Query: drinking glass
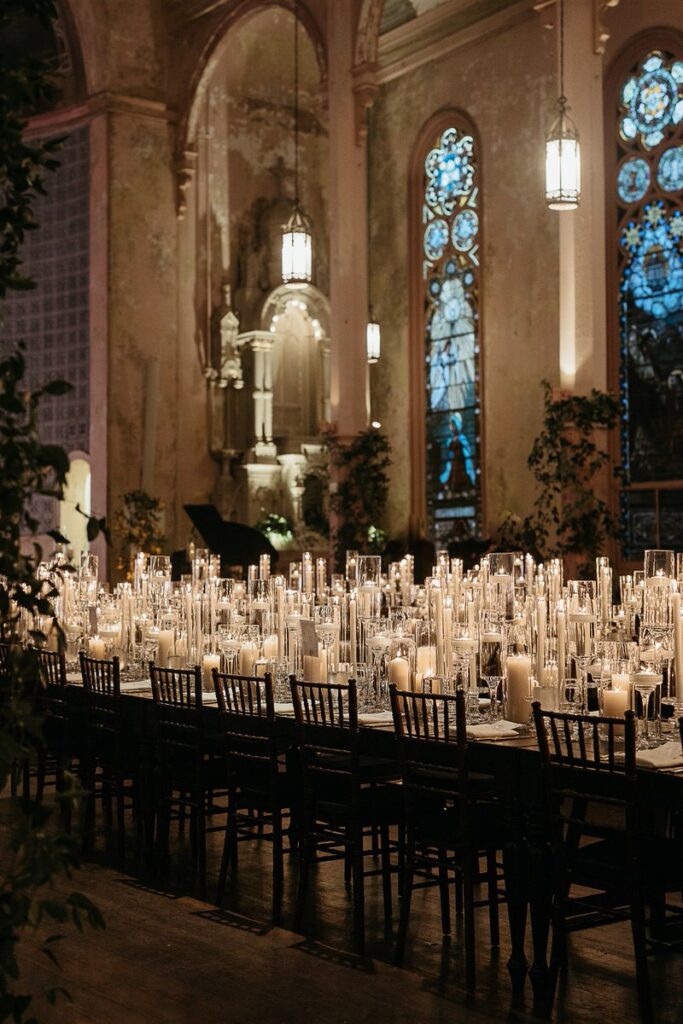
(645, 685)
(492, 662)
(581, 623)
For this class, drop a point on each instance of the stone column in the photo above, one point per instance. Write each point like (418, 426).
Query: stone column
(348, 232)
(582, 344)
(325, 350)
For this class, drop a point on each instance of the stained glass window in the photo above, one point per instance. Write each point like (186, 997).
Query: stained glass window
(450, 262)
(649, 192)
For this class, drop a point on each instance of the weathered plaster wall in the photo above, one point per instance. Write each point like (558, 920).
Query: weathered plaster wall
(506, 84)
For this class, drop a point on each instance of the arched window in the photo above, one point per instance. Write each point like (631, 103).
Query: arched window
(645, 179)
(449, 247)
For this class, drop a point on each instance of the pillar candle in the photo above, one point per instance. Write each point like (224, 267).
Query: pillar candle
(615, 705)
(518, 687)
(280, 608)
(399, 673)
(96, 647)
(247, 658)
(166, 638)
(209, 662)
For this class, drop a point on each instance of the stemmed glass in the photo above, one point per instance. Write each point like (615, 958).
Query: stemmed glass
(657, 650)
(581, 624)
(645, 684)
(492, 662)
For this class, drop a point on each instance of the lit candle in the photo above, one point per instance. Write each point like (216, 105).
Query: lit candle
(209, 662)
(96, 647)
(247, 658)
(518, 687)
(426, 660)
(540, 639)
(166, 638)
(399, 673)
(678, 645)
(561, 642)
(615, 705)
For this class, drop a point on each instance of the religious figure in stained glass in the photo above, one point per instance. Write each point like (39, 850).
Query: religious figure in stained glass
(450, 272)
(649, 190)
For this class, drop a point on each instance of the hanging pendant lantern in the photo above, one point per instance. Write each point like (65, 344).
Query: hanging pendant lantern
(297, 249)
(373, 339)
(297, 242)
(562, 149)
(562, 162)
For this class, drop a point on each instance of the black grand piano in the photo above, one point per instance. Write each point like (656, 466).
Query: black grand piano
(237, 545)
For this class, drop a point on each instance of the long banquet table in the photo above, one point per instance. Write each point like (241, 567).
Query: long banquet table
(514, 764)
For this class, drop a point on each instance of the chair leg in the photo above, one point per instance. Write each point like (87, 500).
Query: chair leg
(443, 891)
(468, 885)
(407, 892)
(640, 952)
(358, 891)
(278, 868)
(492, 886)
(200, 826)
(306, 855)
(386, 870)
(120, 822)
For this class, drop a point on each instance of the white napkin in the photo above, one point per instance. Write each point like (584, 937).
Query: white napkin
(669, 755)
(282, 708)
(376, 718)
(493, 730)
(135, 684)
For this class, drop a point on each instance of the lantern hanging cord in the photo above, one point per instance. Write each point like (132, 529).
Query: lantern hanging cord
(562, 96)
(296, 102)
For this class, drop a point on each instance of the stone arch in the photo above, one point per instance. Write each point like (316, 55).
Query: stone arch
(214, 49)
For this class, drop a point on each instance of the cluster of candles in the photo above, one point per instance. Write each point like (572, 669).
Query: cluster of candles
(508, 631)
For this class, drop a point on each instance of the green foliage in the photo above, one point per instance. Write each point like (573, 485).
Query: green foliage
(25, 85)
(274, 525)
(32, 855)
(568, 517)
(362, 488)
(136, 524)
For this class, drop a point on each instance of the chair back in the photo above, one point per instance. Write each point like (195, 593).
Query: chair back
(327, 721)
(53, 699)
(101, 682)
(432, 741)
(247, 709)
(177, 696)
(586, 764)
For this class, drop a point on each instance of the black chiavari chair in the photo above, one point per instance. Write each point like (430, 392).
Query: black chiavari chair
(452, 819)
(260, 790)
(610, 859)
(110, 763)
(345, 793)
(188, 772)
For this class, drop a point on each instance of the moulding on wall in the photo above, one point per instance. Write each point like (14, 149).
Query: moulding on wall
(430, 38)
(102, 102)
(601, 34)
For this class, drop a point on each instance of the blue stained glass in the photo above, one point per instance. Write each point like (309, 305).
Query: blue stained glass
(465, 227)
(633, 180)
(451, 338)
(670, 170)
(652, 102)
(651, 298)
(436, 237)
(450, 171)
(628, 128)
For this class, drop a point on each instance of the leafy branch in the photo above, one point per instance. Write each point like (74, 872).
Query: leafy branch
(362, 489)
